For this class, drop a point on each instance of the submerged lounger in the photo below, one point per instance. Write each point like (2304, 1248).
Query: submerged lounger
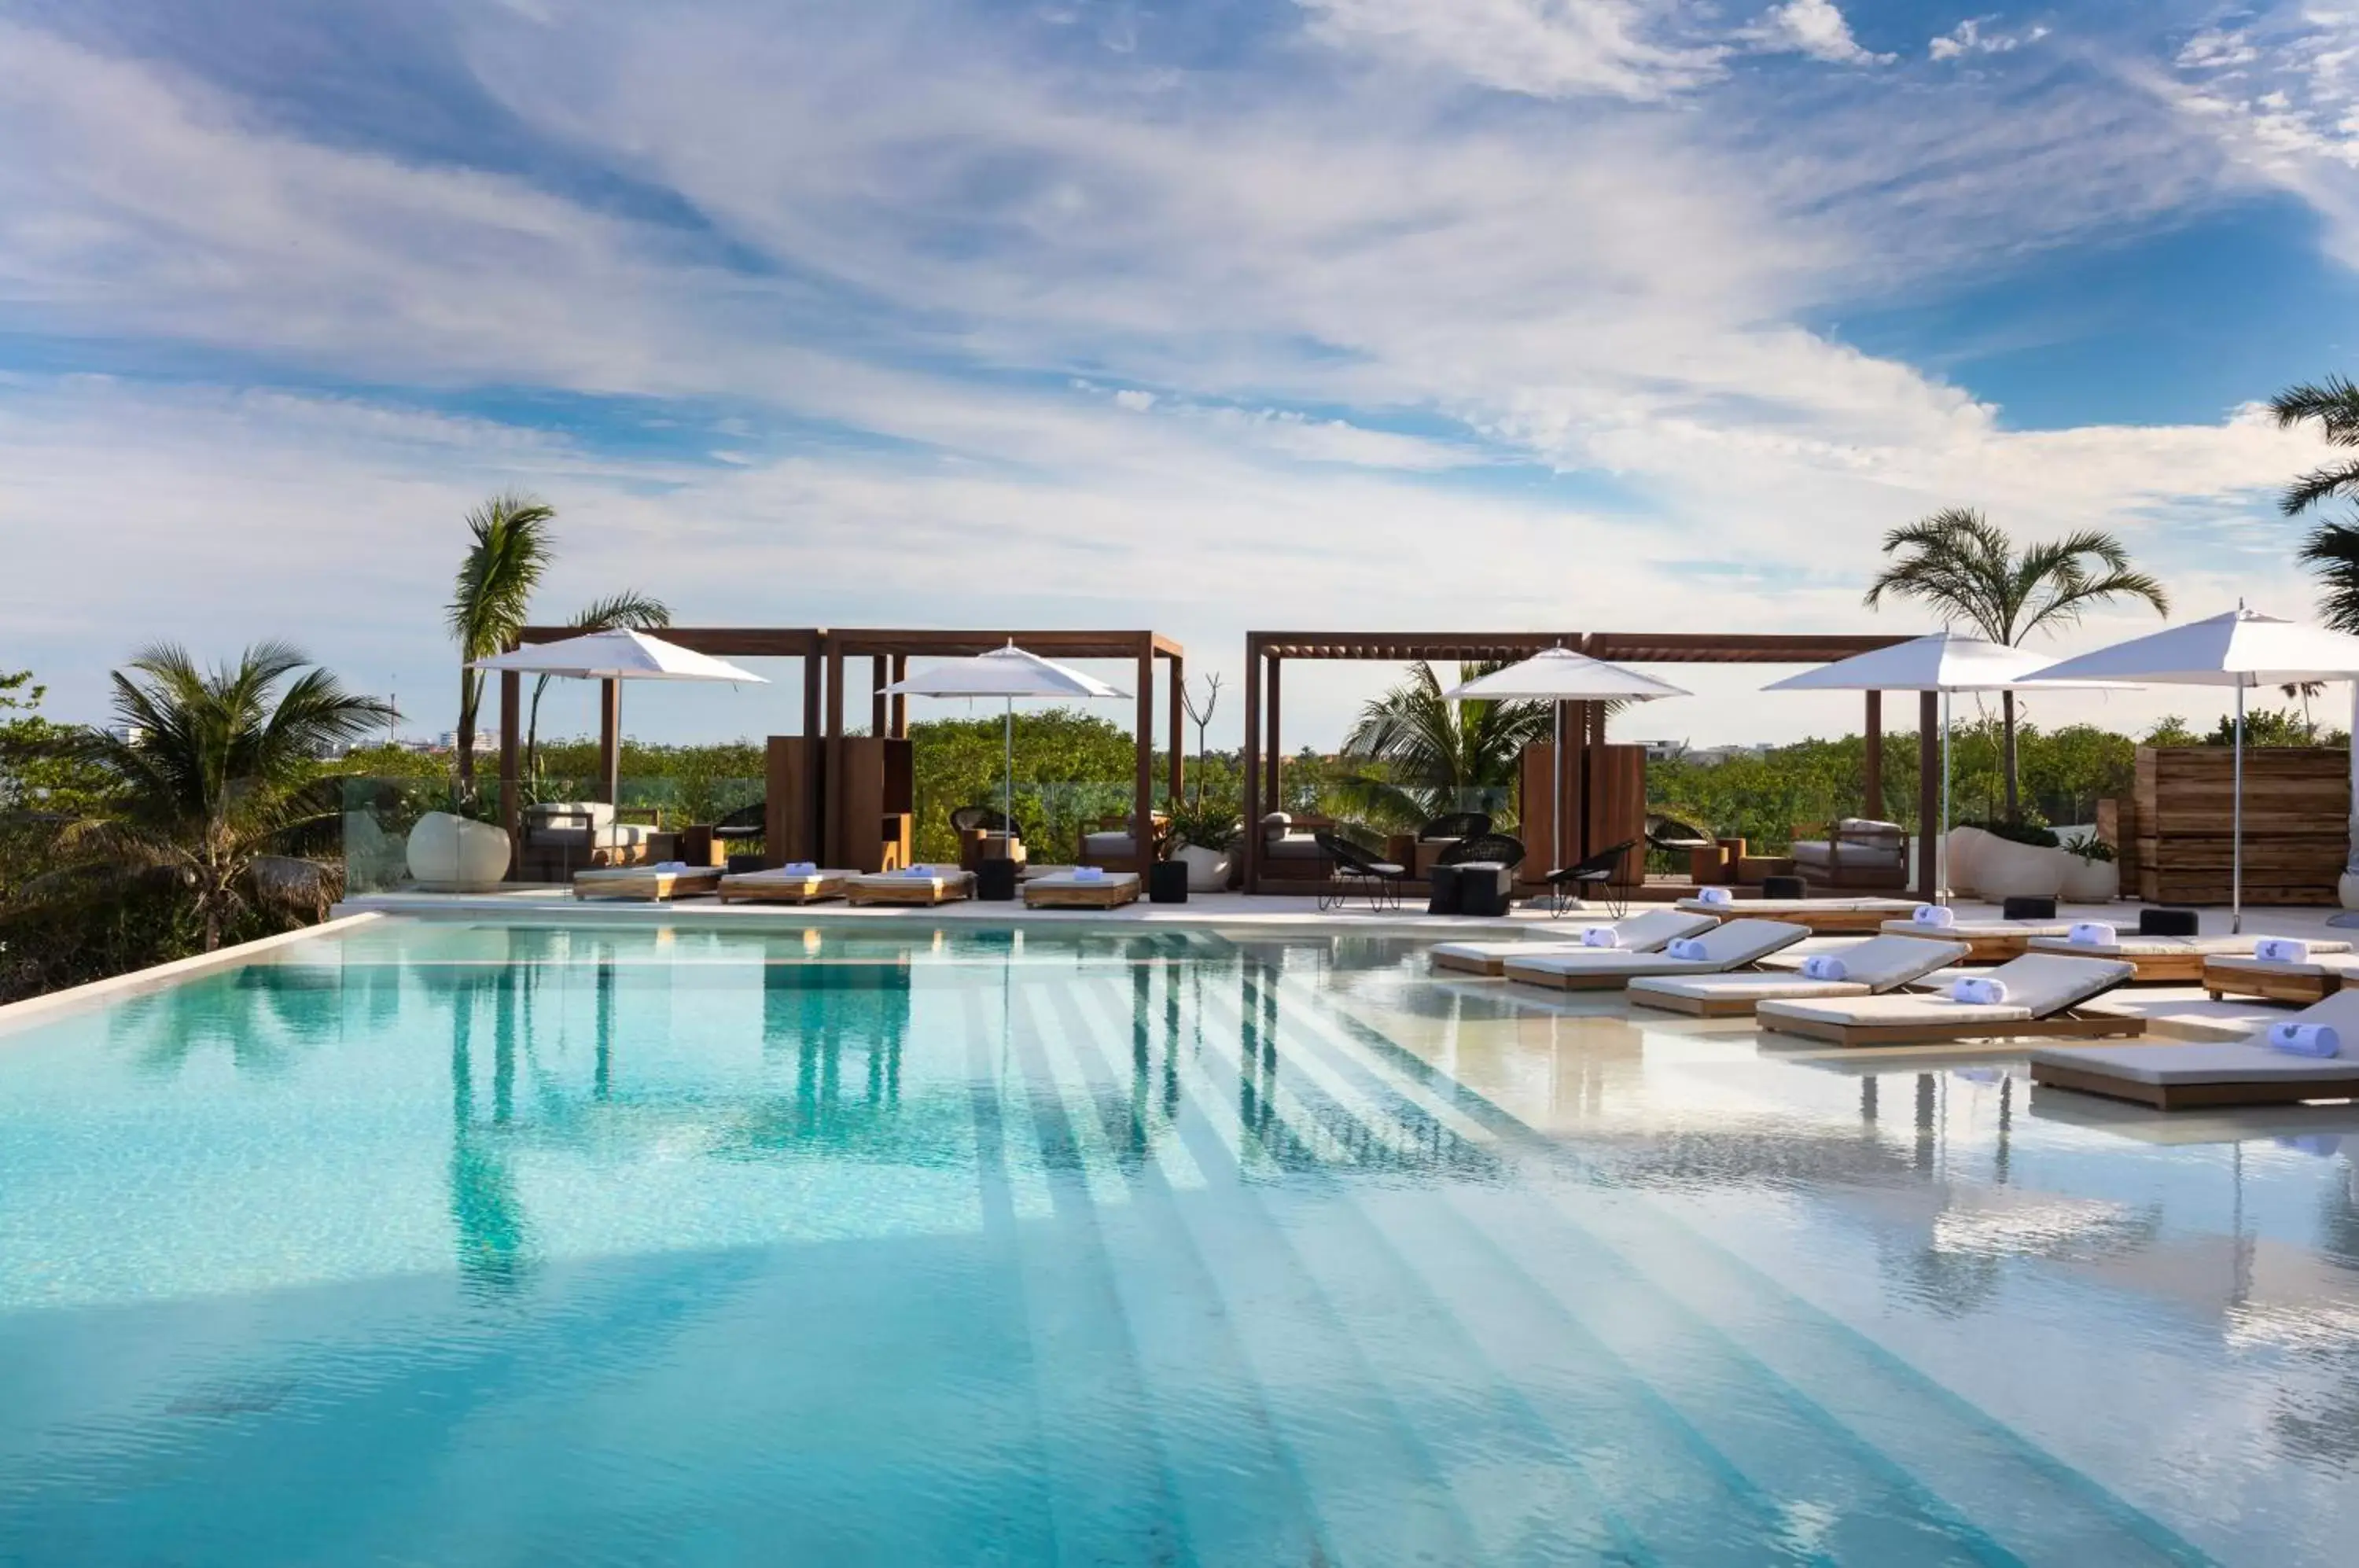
(1988, 942)
(2236, 1073)
(1878, 964)
(1730, 945)
(938, 886)
(779, 886)
(1823, 916)
(1640, 934)
(2274, 980)
(1066, 890)
(644, 881)
(2161, 959)
(2044, 997)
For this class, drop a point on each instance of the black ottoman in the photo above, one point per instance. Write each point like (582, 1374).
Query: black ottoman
(1483, 888)
(1784, 887)
(995, 881)
(1443, 899)
(2166, 922)
(1167, 882)
(2028, 908)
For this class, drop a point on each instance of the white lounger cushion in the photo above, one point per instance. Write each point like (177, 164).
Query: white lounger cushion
(1073, 879)
(1766, 907)
(2248, 1061)
(2343, 966)
(1878, 964)
(778, 876)
(1726, 946)
(1648, 932)
(1965, 930)
(940, 880)
(2174, 946)
(2038, 985)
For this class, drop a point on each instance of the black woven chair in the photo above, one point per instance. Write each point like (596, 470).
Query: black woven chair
(1669, 832)
(1455, 825)
(1595, 872)
(1357, 872)
(746, 822)
(984, 819)
(1495, 848)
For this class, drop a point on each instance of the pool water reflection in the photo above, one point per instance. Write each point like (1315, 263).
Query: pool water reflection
(467, 1244)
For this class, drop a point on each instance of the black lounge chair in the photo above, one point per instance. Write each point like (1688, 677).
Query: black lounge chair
(1358, 872)
(1454, 824)
(1670, 834)
(1596, 872)
(1496, 849)
(746, 822)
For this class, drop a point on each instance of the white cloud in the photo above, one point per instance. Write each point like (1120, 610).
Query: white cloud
(1817, 28)
(1968, 39)
(1550, 48)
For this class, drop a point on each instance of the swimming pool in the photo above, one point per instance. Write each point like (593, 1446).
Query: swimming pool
(457, 1244)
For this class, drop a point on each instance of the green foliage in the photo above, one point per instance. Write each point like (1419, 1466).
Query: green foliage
(2171, 730)
(1418, 755)
(1073, 769)
(40, 770)
(2333, 405)
(493, 596)
(2089, 847)
(1206, 822)
(2032, 834)
(2265, 726)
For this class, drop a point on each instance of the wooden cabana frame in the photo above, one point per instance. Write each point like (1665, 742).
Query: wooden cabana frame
(1266, 654)
(824, 652)
(889, 652)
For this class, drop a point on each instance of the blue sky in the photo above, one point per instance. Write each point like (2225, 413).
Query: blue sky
(1630, 314)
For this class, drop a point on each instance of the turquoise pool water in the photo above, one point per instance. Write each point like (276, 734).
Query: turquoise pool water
(445, 1243)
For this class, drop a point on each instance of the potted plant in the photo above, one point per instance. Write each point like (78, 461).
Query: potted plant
(460, 849)
(1202, 833)
(2016, 860)
(2091, 877)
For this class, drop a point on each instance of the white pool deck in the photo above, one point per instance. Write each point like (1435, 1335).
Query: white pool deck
(2173, 1011)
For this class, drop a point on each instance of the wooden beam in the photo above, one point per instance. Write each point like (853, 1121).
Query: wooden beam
(1176, 765)
(1928, 789)
(610, 739)
(814, 781)
(1142, 833)
(835, 842)
(511, 785)
(879, 705)
(1276, 747)
(899, 717)
(1251, 757)
(1872, 761)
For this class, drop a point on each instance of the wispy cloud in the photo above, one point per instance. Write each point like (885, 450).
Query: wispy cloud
(1640, 50)
(1975, 35)
(1817, 28)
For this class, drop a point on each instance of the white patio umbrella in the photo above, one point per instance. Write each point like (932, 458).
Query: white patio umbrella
(1009, 673)
(2242, 648)
(1561, 675)
(1943, 662)
(619, 655)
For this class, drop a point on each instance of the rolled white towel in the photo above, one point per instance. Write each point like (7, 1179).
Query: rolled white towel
(2092, 933)
(1089, 873)
(1824, 966)
(1979, 990)
(801, 867)
(2281, 950)
(670, 865)
(1718, 898)
(1938, 915)
(1688, 950)
(916, 871)
(1601, 936)
(2305, 1040)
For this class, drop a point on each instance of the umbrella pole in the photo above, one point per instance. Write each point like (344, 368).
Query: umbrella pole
(614, 759)
(1007, 794)
(2236, 854)
(1942, 844)
(1556, 800)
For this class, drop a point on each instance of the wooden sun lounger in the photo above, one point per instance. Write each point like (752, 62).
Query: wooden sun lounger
(645, 882)
(2054, 997)
(781, 887)
(2322, 976)
(1647, 933)
(2170, 960)
(1884, 964)
(1823, 916)
(1988, 941)
(1063, 890)
(900, 888)
(2194, 1075)
(1735, 944)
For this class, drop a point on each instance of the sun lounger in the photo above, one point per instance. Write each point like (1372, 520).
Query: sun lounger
(778, 885)
(1640, 934)
(2274, 980)
(2168, 960)
(2238, 1072)
(655, 882)
(1732, 944)
(924, 885)
(2044, 997)
(1878, 964)
(1823, 916)
(1069, 891)
(1988, 941)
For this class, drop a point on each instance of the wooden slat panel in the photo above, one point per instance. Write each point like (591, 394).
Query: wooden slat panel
(2297, 814)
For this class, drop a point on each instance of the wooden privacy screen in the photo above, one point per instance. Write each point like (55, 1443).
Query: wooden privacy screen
(2297, 823)
(1605, 793)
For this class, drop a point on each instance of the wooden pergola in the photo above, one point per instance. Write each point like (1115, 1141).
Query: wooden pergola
(824, 651)
(1266, 654)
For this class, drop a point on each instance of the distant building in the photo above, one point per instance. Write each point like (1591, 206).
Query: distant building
(129, 735)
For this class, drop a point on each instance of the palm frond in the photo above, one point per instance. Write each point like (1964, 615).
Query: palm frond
(628, 609)
(2331, 552)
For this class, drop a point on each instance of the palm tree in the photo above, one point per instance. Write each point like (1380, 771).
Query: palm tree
(488, 609)
(1965, 569)
(2334, 405)
(630, 608)
(217, 768)
(1434, 750)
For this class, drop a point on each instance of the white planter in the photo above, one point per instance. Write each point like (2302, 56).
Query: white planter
(2347, 889)
(1208, 869)
(1961, 853)
(2090, 881)
(452, 854)
(2005, 869)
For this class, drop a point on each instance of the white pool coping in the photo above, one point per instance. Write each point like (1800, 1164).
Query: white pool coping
(157, 977)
